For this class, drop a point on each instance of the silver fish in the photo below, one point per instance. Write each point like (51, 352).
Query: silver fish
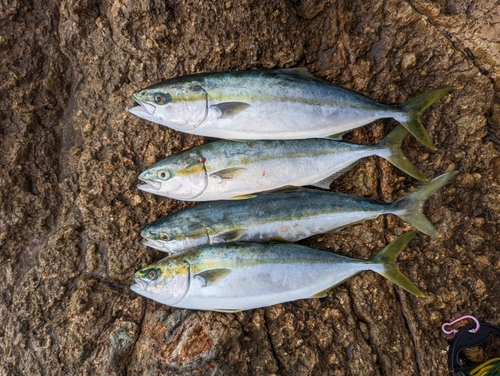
(271, 105)
(225, 170)
(288, 215)
(240, 276)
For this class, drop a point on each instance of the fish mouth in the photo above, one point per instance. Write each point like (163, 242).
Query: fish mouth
(142, 108)
(149, 185)
(142, 285)
(155, 244)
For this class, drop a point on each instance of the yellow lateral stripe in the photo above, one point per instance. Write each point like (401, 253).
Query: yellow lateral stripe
(197, 169)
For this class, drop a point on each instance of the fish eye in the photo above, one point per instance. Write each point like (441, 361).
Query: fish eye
(164, 236)
(152, 274)
(163, 174)
(160, 98)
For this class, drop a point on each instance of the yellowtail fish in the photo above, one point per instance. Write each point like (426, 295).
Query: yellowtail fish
(239, 276)
(226, 170)
(271, 105)
(288, 215)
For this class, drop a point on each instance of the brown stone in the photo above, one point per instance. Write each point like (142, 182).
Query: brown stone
(70, 212)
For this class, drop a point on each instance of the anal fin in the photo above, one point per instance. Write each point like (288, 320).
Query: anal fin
(325, 183)
(242, 197)
(337, 229)
(336, 136)
(321, 294)
(226, 310)
(278, 239)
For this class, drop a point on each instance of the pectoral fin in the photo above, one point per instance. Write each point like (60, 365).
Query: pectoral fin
(230, 236)
(212, 275)
(228, 110)
(228, 173)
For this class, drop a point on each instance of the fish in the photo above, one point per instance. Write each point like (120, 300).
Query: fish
(271, 105)
(240, 276)
(225, 169)
(289, 215)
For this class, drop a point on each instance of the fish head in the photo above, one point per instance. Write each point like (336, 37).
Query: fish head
(166, 281)
(175, 235)
(182, 176)
(175, 103)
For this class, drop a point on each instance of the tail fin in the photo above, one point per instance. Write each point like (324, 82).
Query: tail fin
(414, 108)
(413, 204)
(387, 257)
(392, 143)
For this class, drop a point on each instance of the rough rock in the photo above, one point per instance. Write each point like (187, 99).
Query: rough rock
(70, 212)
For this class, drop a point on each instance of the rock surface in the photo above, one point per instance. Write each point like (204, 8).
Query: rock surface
(70, 212)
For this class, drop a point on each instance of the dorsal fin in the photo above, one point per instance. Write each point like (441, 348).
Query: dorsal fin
(302, 71)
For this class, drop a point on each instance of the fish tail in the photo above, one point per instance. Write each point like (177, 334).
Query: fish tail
(414, 108)
(387, 257)
(413, 203)
(392, 143)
